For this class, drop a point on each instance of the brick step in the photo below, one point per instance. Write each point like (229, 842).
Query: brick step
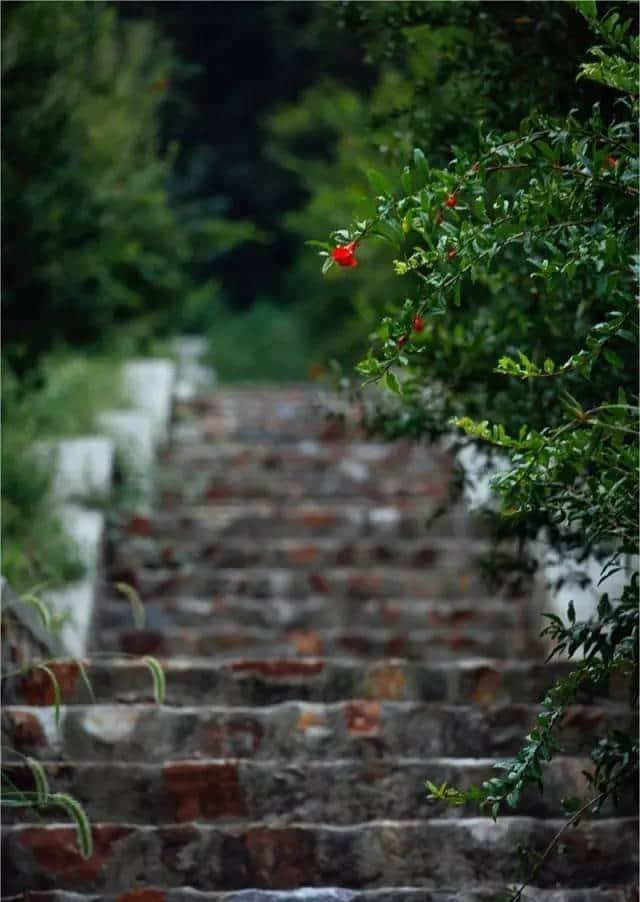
(487, 893)
(255, 414)
(314, 613)
(354, 518)
(233, 641)
(293, 470)
(297, 731)
(272, 456)
(423, 853)
(433, 556)
(341, 584)
(268, 681)
(336, 792)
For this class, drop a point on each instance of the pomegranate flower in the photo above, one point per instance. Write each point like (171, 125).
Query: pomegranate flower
(344, 255)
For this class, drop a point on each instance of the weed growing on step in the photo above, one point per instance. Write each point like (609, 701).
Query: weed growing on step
(26, 787)
(520, 259)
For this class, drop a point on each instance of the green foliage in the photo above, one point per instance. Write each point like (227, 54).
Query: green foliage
(90, 239)
(520, 260)
(439, 69)
(61, 400)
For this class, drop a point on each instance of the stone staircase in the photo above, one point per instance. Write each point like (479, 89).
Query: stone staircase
(325, 652)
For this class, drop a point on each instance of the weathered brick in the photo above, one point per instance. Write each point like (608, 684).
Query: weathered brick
(208, 791)
(36, 687)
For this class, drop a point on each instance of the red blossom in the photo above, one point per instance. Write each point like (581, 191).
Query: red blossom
(452, 200)
(452, 253)
(401, 342)
(344, 255)
(613, 162)
(418, 323)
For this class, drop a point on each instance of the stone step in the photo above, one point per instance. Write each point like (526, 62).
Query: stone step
(219, 471)
(336, 792)
(268, 681)
(296, 731)
(228, 642)
(487, 893)
(433, 556)
(314, 613)
(273, 456)
(353, 518)
(341, 584)
(384, 852)
(280, 415)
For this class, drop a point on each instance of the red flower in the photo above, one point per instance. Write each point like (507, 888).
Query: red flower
(401, 342)
(452, 253)
(452, 200)
(613, 162)
(344, 255)
(418, 323)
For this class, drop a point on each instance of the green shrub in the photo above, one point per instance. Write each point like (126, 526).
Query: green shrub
(519, 265)
(90, 238)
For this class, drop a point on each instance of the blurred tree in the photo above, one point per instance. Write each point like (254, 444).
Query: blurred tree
(90, 238)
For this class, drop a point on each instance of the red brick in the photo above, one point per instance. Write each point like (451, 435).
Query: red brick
(364, 585)
(216, 740)
(25, 729)
(56, 851)
(317, 517)
(204, 790)
(306, 554)
(280, 667)
(139, 525)
(363, 717)
(396, 646)
(318, 583)
(359, 645)
(36, 687)
(143, 894)
(142, 642)
(386, 682)
(280, 858)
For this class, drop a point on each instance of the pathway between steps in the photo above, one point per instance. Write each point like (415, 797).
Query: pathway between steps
(325, 653)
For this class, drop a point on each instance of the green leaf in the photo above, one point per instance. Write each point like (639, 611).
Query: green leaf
(157, 673)
(326, 266)
(137, 607)
(421, 166)
(40, 779)
(57, 695)
(85, 677)
(390, 381)
(587, 8)
(378, 182)
(78, 815)
(39, 606)
(613, 358)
